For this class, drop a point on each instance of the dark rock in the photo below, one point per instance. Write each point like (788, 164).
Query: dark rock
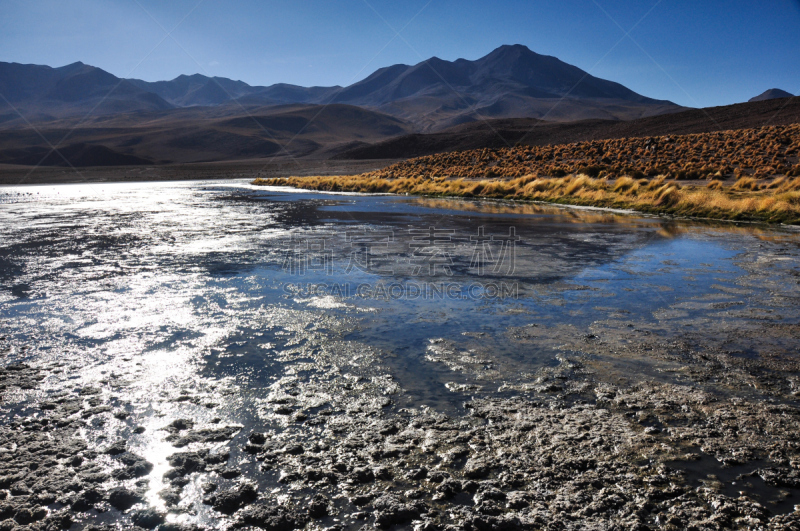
(135, 467)
(181, 481)
(123, 499)
(272, 517)
(362, 475)
(171, 496)
(188, 462)
(184, 463)
(293, 449)
(449, 488)
(230, 473)
(438, 477)
(117, 448)
(180, 425)
(382, 472)
(489, 494)
(56, 521)
(27, 515)
(251, 448)
(20, 489)
(318, 508)
(475, 469)
(7, 511)
(361, 499)
(777, 477)
(257, 438)
(86, 500)
(390, 511)
(205, 435)
(148, 518)
(230, 501)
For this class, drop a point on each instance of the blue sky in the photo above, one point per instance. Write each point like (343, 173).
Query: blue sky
(693, 53)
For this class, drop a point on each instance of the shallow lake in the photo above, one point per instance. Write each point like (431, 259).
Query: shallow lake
(241, 292)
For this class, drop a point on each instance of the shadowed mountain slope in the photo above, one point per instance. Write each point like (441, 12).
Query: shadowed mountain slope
(507, 132)
(197, 135)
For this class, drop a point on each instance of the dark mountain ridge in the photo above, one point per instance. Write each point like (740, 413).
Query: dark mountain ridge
(42, 92)
(511, 81)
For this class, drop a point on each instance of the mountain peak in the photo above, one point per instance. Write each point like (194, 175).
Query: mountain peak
(772, 94)
(513, 50)
(516, 47)
(190, 76)
(77, 66)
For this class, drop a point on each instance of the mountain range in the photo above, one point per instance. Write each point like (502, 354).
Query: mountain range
(199, 118)
(510, 81)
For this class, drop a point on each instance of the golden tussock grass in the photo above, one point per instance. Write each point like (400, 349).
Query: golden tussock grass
(779, 201)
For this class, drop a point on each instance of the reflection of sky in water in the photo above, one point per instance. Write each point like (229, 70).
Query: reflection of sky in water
(119, 269)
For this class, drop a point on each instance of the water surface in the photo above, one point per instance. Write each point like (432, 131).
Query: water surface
(232, 291)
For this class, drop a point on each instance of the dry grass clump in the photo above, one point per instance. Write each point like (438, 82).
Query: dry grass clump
(746, 183)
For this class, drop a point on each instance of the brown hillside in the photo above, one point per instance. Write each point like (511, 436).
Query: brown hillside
(759, 153)
(528, 131)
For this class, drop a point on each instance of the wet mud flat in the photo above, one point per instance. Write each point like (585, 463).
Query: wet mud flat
(306, 414)
(335, 451)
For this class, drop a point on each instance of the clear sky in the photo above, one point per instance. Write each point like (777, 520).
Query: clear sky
(693, 52)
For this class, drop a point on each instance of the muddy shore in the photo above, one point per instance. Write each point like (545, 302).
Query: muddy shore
(578, 447)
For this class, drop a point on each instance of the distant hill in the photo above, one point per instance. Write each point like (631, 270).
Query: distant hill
(187, 91)
(41, 92)
(772, 94)
(199, 134)
(507, 132)
(77, 155)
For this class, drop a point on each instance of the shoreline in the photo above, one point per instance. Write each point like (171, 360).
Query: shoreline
(778, 203)
(200, 171)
